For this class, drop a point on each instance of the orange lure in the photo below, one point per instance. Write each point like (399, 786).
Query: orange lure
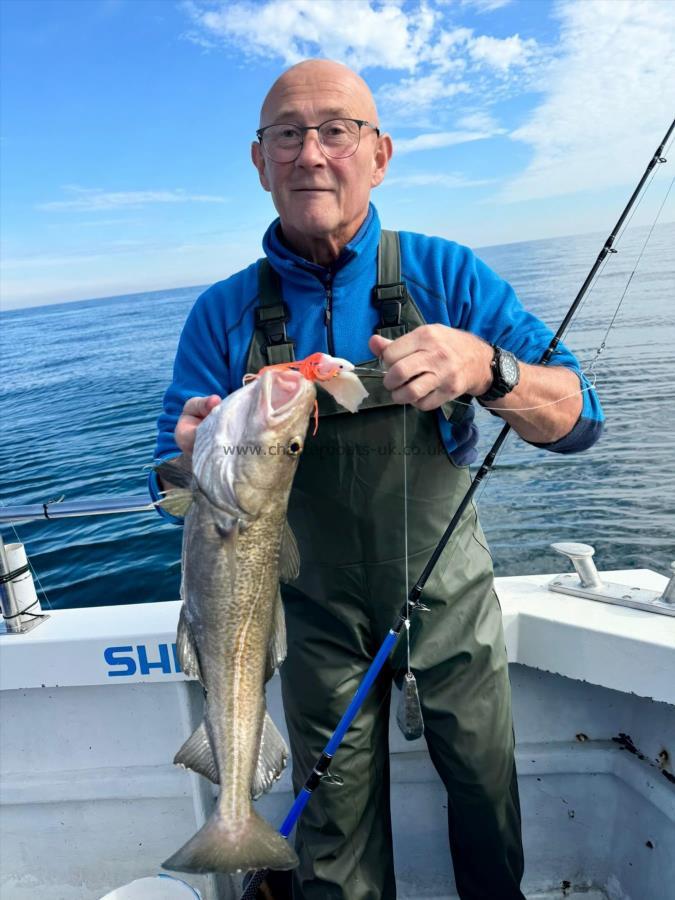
(313, 367)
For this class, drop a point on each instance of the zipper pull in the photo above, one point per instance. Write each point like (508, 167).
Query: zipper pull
(328, 311)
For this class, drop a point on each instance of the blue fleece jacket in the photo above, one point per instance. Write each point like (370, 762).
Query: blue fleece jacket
(449, 284)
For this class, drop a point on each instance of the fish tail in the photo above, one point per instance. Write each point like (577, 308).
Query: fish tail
(228, 847)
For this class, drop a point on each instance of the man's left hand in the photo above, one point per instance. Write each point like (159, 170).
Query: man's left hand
(433, 364)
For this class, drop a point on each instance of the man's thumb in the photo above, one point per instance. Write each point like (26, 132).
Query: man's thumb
(377, 344)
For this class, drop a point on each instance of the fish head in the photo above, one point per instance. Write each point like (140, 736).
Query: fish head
(247, 449)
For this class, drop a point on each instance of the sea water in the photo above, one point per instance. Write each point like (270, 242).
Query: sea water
(82, 386)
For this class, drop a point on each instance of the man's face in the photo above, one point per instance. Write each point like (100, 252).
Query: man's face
(319, 198)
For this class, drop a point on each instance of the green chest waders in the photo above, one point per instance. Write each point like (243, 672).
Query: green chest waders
(347, 512)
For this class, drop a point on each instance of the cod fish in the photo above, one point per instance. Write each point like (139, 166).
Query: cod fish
(231, 632)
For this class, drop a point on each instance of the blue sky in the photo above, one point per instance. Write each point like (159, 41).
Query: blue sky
(126, 125)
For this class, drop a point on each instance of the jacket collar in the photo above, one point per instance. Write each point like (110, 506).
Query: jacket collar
(356, 257)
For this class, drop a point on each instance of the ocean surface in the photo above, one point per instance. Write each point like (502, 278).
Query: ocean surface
(82, 385)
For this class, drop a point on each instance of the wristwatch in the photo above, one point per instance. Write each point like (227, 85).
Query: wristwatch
(505, 374)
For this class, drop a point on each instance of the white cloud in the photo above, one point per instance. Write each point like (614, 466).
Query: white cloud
(95, 199)
(609, 98)
(432, 179)
(435, 62)
(485, 6)
(410, 96)
(47, 261)
(502, 53)
(361, 34)
(436, 140)
(417, 39)
(479, 120)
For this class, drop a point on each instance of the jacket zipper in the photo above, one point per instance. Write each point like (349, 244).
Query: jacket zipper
(328, 314)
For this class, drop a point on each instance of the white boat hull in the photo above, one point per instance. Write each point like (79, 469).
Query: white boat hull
(93, 711)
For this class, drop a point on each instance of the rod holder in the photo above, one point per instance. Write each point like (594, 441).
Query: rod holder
(21, 610)
(581, 557)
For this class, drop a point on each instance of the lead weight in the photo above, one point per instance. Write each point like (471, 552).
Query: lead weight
(409, 713)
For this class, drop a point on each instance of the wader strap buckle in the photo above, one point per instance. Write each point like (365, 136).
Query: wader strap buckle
(389, 299)
(389, 294)
(271, 320)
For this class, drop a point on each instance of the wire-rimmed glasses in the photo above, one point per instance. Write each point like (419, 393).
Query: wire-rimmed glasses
(338, 138)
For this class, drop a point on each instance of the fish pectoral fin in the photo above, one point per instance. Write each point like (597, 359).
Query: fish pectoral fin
(272, 758)
(289, 556)
(177, 501)
(186, 648)
(197, 754)
(177, 471)
(276, 652)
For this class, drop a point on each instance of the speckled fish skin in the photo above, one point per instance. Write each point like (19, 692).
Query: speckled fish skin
(231, 567)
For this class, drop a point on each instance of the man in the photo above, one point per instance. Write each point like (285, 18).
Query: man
(450, 328)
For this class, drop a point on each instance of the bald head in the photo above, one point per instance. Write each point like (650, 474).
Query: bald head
(322, 198)
(306, 83)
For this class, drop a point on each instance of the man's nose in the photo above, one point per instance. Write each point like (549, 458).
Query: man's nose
(311, 153)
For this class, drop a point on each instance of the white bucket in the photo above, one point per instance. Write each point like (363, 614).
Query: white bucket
(156, 887)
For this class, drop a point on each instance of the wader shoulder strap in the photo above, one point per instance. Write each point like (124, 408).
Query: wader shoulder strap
(398, 311)
(390, 294)
(271, 316)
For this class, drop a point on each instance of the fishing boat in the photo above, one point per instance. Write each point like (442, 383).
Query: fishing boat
(94, 704)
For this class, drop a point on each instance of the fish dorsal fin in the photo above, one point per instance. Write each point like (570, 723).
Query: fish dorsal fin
(289, 555)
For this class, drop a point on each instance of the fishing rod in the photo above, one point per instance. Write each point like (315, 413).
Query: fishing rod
(413, 600)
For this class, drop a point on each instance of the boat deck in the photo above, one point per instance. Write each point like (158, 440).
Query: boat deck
(94, 707)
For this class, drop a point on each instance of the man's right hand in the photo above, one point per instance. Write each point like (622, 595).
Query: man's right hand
(196, 409)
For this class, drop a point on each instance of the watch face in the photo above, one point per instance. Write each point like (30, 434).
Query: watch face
(508, 367)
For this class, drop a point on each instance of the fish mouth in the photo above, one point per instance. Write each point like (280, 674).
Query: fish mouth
(280, 391)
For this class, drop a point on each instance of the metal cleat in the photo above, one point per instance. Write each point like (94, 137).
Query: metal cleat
(589, 585)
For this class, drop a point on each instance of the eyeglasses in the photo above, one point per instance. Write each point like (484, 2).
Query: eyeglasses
(338, 138)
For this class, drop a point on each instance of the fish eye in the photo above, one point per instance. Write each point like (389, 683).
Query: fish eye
(294, 447)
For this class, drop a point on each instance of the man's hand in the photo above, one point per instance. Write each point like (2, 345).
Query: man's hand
(436, 363)
(196, 409)
(433, 364)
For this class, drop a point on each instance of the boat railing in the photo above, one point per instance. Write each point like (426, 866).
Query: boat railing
(19, 603)
(61, 509)
(21, 609)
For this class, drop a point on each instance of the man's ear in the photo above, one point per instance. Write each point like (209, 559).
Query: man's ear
(383, 153)
(258, 159)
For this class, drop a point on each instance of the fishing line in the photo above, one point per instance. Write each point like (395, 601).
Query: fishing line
(409, 712)
(603, 343)
(617, 241)
(405, 535)
(413, 599)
